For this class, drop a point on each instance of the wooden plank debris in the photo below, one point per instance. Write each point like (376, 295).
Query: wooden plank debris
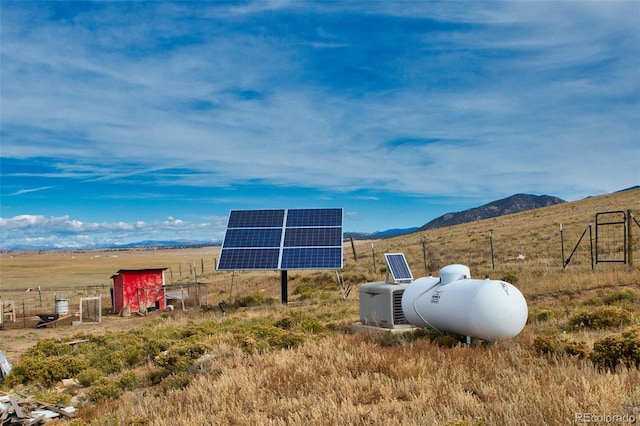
(16, 407)
(23, 410)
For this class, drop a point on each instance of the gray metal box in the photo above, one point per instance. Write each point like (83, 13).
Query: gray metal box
(381, 305)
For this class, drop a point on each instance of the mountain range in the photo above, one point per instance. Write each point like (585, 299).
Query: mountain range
(513, 204)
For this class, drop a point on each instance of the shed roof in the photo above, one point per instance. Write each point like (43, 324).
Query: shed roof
(120, 271)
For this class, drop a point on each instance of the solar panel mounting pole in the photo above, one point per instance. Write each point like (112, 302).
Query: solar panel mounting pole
(283, 286)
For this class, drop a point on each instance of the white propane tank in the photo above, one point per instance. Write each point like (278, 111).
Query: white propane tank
(485, 309)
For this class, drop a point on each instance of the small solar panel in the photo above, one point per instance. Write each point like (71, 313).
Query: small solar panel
(397, 265)
(282, 239)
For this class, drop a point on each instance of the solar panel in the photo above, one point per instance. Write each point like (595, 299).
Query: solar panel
(258, 237)
(311, 258)
(397, 265)
(313, 237)
(245, 259)
(256, 219)
(282, 239)
(314, 217)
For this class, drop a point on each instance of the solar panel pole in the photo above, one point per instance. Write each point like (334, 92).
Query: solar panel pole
(283, 286)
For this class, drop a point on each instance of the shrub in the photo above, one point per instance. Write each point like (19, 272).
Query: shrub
(621, 297)
(157, 376)
(261, 338)
(305, 291)
(256, 299)
(547, 345)
(104, 388)
(311, 325)
(539, 315)
(320, 280)
(577, 348)
(175, 382)
(88, 376)
(601, 317)
(139, 421)
(46, 371)
(48, 348)
(180, 357)
(552, 345)
(355, 277)
(112, 362)
(128, 380)
(618, 349)
(286, 323)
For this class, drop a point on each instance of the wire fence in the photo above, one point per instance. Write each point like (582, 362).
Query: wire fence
(72, 306)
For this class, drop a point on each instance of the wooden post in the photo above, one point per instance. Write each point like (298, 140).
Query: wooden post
(493, 263)
(353, 248)
(373, 255)
(629, 239)
(562, 246)
(424, 253)
(591, 244)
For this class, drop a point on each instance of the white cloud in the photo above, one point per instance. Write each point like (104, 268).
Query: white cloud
(62, 231)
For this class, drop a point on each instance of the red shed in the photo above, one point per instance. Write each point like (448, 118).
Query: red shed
(138, 289)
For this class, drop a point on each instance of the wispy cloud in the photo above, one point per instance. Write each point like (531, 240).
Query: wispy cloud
(26, 191)
(437, 99)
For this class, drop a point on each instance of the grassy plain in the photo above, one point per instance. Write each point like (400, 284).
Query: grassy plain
(264, 363)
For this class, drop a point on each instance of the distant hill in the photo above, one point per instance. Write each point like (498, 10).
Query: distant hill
(136, 245)
(514, 204)
(380, 234)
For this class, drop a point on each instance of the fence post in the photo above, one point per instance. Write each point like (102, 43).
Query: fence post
(562, 246)
(424, 253)
(591, 244)
(353, 248)
(629, 238)
(493, 262)
(373, 255)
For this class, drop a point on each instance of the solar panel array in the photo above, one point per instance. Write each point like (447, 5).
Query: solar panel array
(282, 239)
(398, 266)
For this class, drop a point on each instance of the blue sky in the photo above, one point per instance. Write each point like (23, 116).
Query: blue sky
(124, 122)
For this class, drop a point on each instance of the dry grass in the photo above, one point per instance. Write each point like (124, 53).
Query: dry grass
(354, 380)
(21, 270)
(329, 376)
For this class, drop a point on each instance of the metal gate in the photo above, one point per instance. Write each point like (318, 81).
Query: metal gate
(611, 237)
